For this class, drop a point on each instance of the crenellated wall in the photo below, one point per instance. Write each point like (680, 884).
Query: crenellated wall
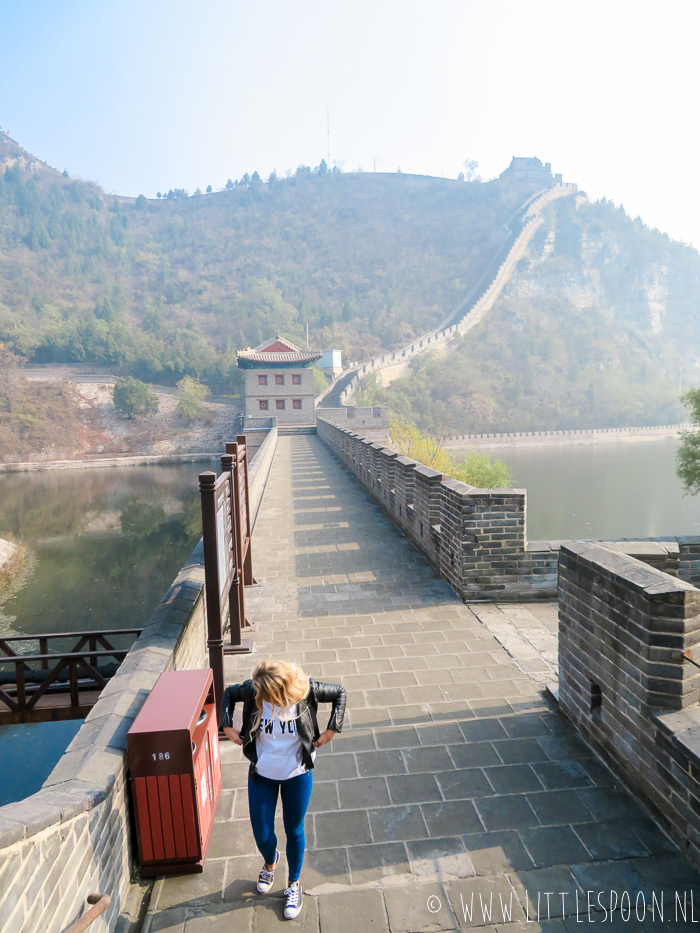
(370, 422)
(470, 311)
(73, 837)
(627, 633)
(541, 438)
(477, 538)
(474, 537)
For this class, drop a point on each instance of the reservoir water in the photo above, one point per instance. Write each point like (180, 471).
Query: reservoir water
(104, 546)
(622, 489)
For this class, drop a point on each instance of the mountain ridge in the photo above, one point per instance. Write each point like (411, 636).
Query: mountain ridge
(592, 331)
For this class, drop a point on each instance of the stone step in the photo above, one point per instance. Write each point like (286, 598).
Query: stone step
(284, 430)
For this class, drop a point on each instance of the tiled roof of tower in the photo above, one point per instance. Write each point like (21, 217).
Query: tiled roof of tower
(276, 351)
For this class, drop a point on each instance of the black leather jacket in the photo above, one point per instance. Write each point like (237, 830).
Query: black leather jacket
(307, 722)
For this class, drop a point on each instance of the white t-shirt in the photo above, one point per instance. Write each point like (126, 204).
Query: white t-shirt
(278, 744)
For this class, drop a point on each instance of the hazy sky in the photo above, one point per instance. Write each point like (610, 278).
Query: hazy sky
(146, 95)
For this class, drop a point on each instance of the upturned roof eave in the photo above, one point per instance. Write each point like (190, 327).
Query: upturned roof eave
(252, 360)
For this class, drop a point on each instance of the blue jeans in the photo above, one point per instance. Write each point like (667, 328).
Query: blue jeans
(262, 803)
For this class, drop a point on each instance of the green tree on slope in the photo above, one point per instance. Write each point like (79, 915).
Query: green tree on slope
(133, 397)
(476, 469)
(191, 394)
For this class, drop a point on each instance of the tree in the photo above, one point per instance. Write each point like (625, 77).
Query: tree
(688, 455)
(255, 179)
(272, 178)
(141, 202)
(191, 394)
(476, 469)
(320, 381)
(322, 168)
(209, 189)
(159, 195)
(197, 193)
(470, 165)
(133, 397)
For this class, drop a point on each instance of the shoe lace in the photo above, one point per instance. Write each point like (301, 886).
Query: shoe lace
(266, 874)
(292, 894)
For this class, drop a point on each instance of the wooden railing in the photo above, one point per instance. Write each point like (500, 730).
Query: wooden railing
(100, 903)
(57, 682)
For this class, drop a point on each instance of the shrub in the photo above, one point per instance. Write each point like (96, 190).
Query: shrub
(133, 397)
(191, 394)
(477, 469)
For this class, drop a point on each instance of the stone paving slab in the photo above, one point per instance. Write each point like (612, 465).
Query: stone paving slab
(456, 797)
(529, 633)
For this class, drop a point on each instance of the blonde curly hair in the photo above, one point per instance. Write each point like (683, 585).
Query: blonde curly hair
(280, 684)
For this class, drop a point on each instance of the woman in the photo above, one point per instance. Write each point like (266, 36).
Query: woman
(279, 735)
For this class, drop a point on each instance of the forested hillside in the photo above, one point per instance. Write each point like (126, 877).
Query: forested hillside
(599, 327)
(593, 330)
(162, 288)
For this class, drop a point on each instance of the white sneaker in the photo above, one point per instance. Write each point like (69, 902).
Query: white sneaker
(267, 877)
(292, 907)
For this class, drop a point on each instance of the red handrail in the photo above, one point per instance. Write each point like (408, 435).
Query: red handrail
(101, 902)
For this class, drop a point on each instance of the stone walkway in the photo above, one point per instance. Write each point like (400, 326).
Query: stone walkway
(530, 635)
(455, 786)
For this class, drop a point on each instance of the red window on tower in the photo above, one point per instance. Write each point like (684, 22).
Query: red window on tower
(262, 402)
(279, 380)
(296, 403)
(262, 380)
(280, 404)
(296, 380)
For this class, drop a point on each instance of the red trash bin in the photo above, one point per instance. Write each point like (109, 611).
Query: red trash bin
(175, 773)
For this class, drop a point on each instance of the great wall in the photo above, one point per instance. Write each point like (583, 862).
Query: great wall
(466, 315)
(413, 590)
(523, 715)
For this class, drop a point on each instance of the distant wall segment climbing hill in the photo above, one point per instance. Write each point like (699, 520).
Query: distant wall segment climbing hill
(468, 313)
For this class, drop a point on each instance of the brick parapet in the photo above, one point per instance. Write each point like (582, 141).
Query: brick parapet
(259, 470)
(474, 537)
(533, 438)
(477, 538)
(72, 838)
(625, 682)
(372, 423)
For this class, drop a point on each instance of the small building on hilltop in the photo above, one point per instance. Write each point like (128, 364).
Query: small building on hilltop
(531, 169)
(279, 381)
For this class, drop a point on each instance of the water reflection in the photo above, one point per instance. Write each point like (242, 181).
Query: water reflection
(613, 490)
(107, 543)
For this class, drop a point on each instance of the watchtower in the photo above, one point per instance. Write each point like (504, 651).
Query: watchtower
(279, 381)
